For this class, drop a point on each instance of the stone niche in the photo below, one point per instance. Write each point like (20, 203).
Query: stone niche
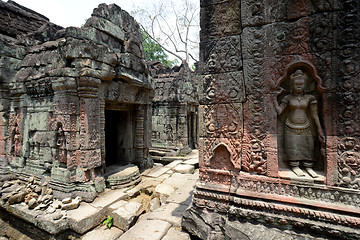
(174, 109)
(279, 121)
(73, 100)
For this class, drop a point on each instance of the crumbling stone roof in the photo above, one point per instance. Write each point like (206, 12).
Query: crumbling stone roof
(17, 20)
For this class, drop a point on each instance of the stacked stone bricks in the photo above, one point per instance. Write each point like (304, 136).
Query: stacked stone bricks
(248, 51)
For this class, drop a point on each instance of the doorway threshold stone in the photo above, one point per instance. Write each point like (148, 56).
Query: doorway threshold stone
(122, 176)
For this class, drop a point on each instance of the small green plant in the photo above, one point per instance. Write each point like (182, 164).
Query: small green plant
(109, 222)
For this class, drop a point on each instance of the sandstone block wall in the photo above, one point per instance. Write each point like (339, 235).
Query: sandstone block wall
(56, 85)
(248, 51)
(175, 108)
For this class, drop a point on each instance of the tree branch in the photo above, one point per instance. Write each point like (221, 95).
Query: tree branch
(156, 41)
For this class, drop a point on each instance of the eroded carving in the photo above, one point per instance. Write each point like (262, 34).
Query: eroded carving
(349, 163)
(221, 158)
(60, 142)
(256, 158)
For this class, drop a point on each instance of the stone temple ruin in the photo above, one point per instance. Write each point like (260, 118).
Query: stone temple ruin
(75, 102)
(279, 120)
(174, 110)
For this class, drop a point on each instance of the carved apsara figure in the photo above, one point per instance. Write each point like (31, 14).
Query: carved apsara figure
(298, 137)
(61, 144)
(16, 147)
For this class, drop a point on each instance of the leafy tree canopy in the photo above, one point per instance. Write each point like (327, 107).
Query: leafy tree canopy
(154, 52)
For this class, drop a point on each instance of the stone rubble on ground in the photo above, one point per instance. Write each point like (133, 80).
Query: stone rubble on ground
(159, 200)
(35, 195)
(169, 197)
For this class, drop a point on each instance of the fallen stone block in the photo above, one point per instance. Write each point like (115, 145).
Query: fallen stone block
(164, 189)
(158, 172)
(85, 217)
(72, 205)
(125, 215)
(122, 176)
(174, 163)
(154, 204)
(52, 224)
(153, 152)
(193, 161)
(183, 195)
(19, 197)
(147, 229)
(175, 233)
(109, 197)
(170, 212)
(184, 168)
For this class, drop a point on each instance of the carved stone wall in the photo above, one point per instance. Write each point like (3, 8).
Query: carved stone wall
(175, 108)
(57, 83)
(248, 51)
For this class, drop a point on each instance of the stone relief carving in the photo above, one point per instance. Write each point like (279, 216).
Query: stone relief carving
(60, 142)
(221, 158)
(15, 133)
(40, 88)
(225, 55)
(257, 210)
(222, 120)
(224, 20)
(300, 111)
(16, 141)
(256, 158)
(214, 148)
(349, 163)
(348, 70)
(224, 88)
(34, 146)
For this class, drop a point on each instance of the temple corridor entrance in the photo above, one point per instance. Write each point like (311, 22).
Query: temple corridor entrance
(192, 129)
(119, 135)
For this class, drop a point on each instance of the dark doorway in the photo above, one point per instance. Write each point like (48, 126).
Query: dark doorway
(191, 126)
(118, 137)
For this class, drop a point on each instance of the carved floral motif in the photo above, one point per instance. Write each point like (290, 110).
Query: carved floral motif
(254, 153)
(225, 55)
(222, 120)
(258, 211)
(349, 60)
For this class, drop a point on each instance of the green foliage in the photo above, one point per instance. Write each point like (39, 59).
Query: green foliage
(109, 222)
(154, 51)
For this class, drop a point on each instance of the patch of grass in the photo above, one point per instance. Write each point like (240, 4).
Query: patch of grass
(109, 222)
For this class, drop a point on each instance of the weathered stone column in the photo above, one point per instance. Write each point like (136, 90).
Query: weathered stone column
(89, 155)
(15, 146)
(142, 136)
(65, 125)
